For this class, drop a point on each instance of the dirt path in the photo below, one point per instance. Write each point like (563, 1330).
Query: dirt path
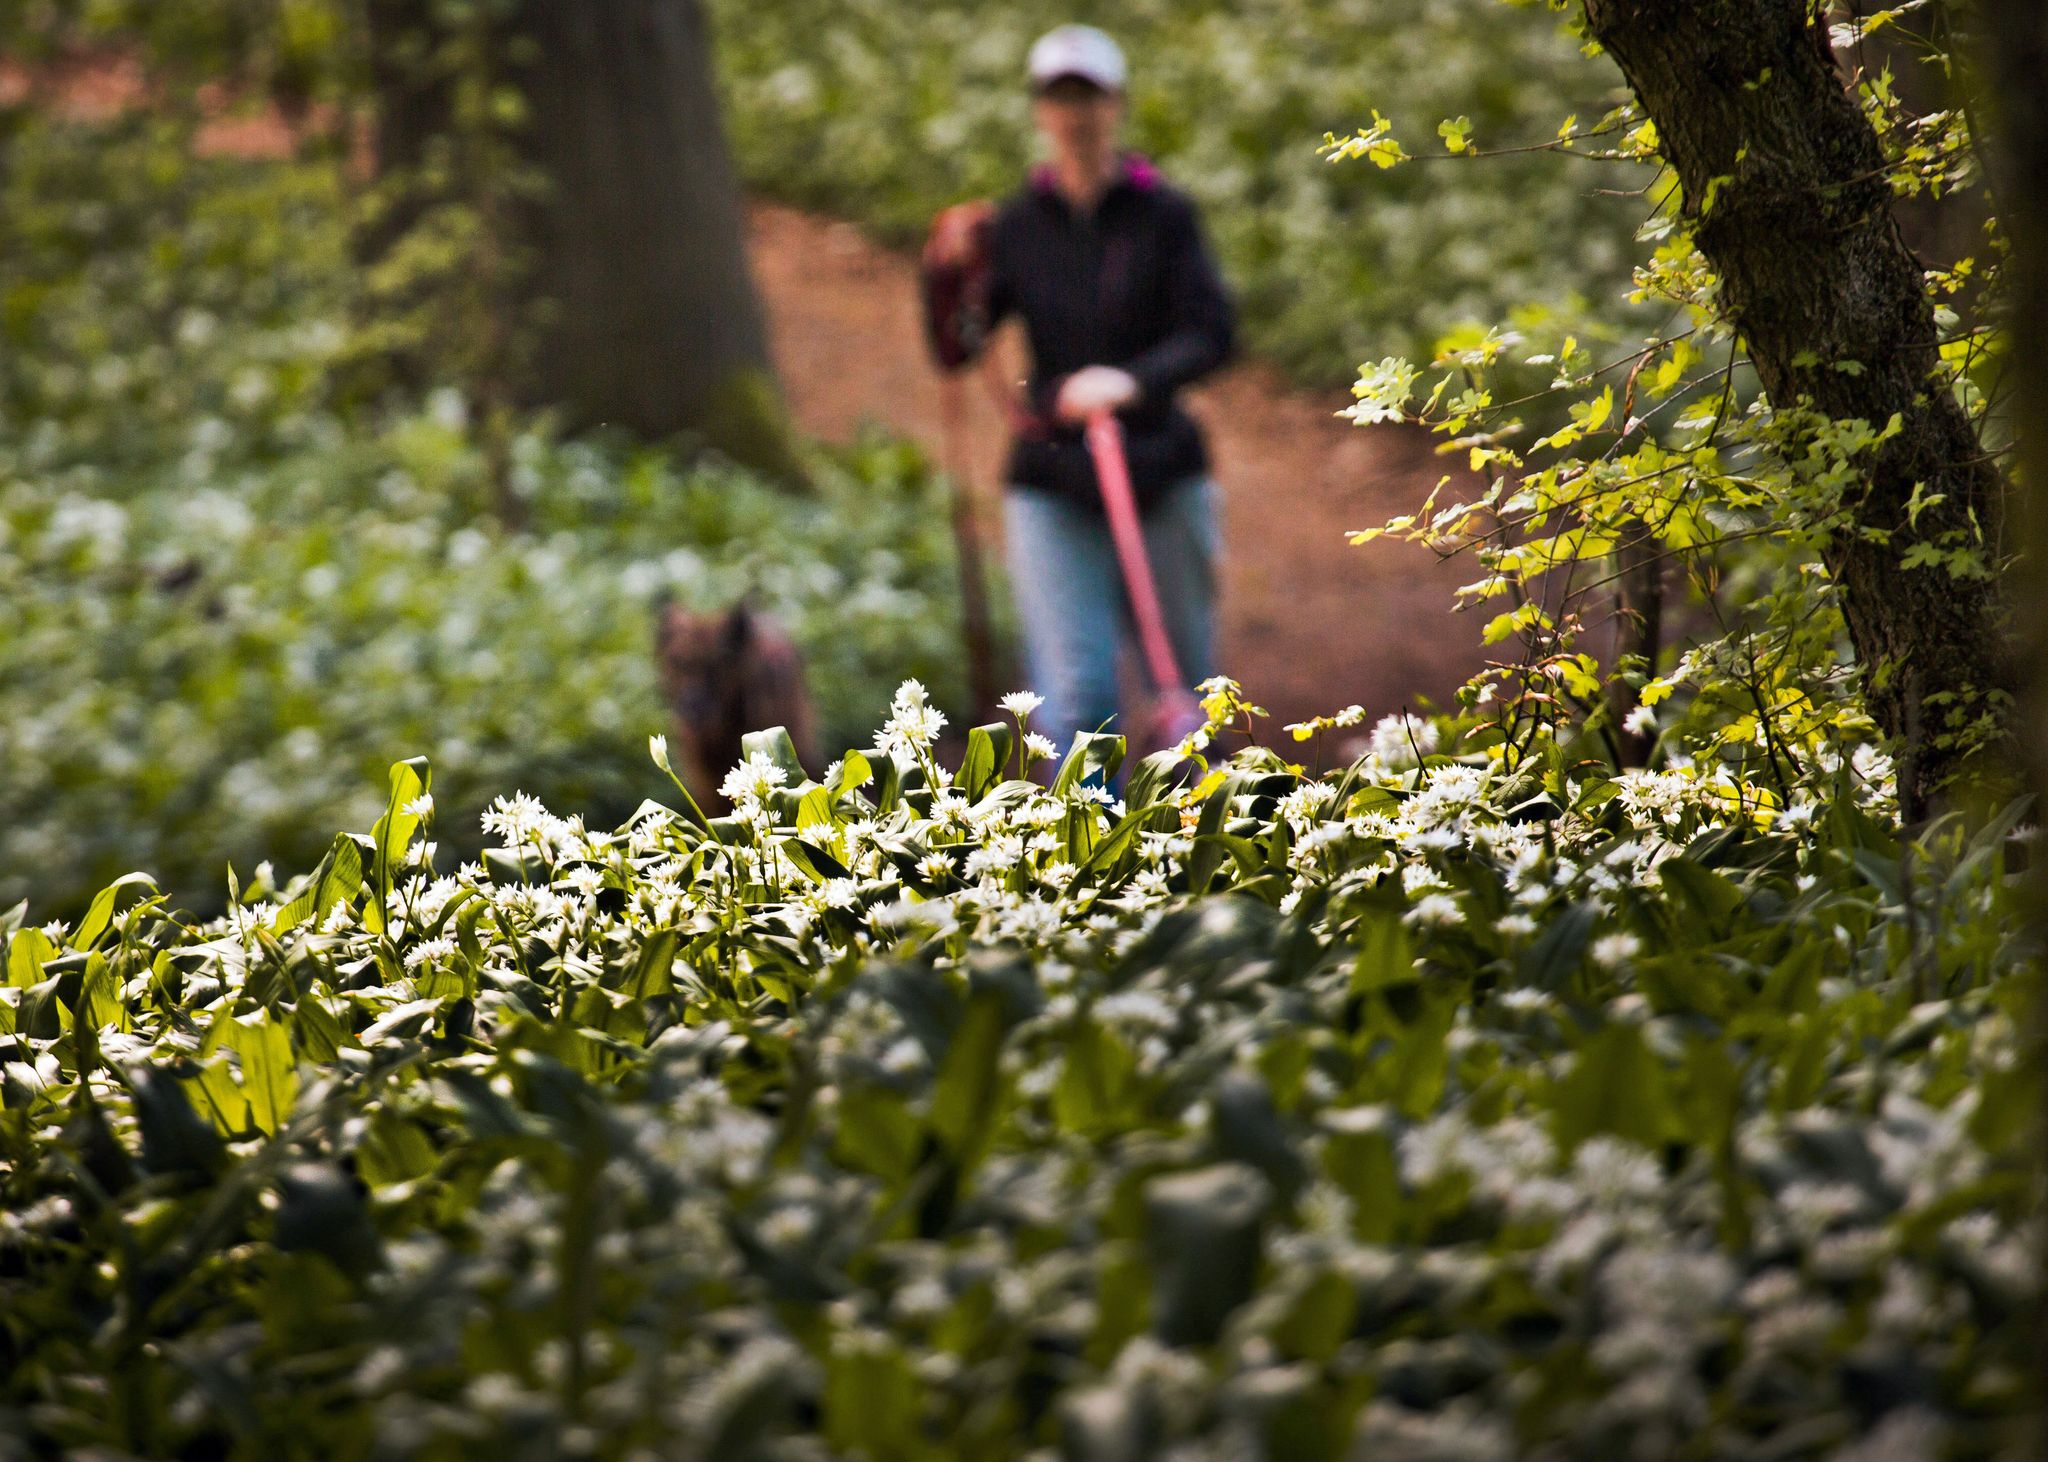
(1310, 624)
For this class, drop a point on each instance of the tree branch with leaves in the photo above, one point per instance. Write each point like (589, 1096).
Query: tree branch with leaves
(1853, 479)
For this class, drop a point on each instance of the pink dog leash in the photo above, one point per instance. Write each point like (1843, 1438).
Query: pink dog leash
(1176, 711)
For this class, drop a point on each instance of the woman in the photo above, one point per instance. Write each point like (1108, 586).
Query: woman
(1122, 306)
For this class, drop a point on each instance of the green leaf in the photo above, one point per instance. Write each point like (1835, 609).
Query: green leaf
(1093, 1090)
(101, 914)
(1385, 955)
(1595, 794)
(1208, 853)
(1250, 861)
(1123, 1300)
(176, 1139)
(988, 752)
(1708, 896)
(873, 1402)
(1420, 1065)
(1358, 1154)
(967, 1093)
(100, 1001)
(320, 1210)
(465, 932)
(393, 1149)
(1203, 1232)
(1616, 1086)
(270, 1078)
(1094, 753)
(392, 835)
(1803, 1069)
(1149, 780)
(814, 860)
(889, 790)
(814, 809)
(43, 1013)
(401, 1021)
(1514, 621)
(1317, 1318)
(1554, 954)
(1247, 1128)
(1102, 859)
(214, 1093)
(855, 770)
(319, 1034)
(875, 1132)
(776, 744)
(26, 954)
(1849, 826)
(338, 879)
(653, 971)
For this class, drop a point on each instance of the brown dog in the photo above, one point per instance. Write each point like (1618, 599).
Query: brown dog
(724, 675)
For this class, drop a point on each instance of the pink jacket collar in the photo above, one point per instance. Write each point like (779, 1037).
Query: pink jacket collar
(1138, 170)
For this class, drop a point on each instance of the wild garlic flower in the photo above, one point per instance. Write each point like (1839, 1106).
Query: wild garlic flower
(1403, 740)
(1435, 911)
(913, 724)
(1612, 951)
(752, 780)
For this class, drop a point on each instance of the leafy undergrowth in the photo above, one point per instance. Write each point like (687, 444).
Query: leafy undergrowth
(1483, 1107)
(233, 587)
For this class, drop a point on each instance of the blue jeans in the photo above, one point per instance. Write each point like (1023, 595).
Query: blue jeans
(1072, 607)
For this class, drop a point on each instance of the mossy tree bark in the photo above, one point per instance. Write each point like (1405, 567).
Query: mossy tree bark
(1785, 187)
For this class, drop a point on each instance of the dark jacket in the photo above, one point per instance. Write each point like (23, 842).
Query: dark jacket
(1132, 286)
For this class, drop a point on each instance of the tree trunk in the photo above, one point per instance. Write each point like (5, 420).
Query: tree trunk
(413, 102)
(1752, 114)
(2015, 63)
(2014, 59)
(650, 316)
(633, 305)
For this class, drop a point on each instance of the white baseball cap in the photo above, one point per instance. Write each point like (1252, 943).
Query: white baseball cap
(1078, 50)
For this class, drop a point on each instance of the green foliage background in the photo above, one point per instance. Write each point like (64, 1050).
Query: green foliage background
(887, 110)
(233, 588)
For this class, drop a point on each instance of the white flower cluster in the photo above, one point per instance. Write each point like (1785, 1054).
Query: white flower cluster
(1405, 1048)
(913, 724)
